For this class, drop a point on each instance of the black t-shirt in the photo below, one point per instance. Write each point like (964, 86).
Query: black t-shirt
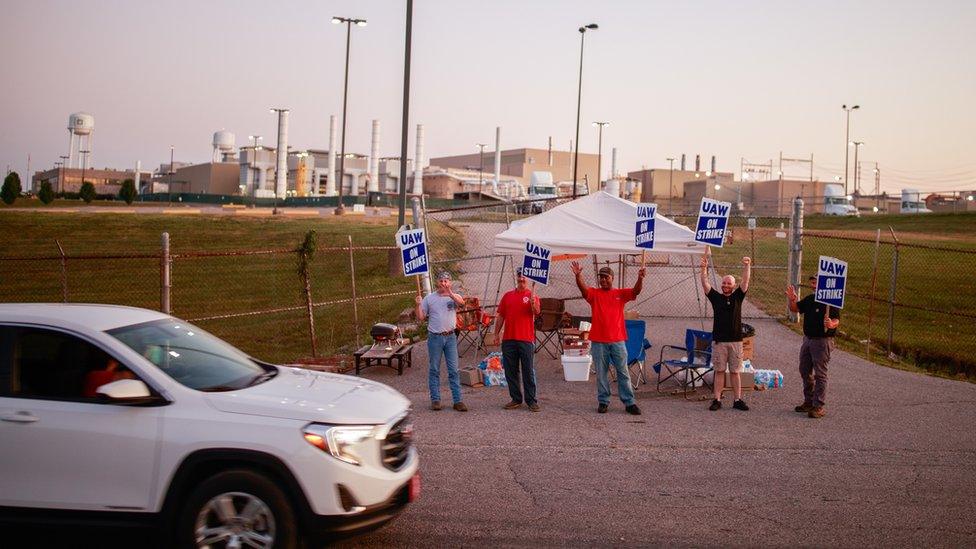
(813, 317)
(727, 324)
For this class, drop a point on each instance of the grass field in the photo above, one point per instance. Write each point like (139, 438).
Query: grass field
(211, 286)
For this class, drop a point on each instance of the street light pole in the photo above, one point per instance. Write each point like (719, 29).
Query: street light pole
(579, 99)
(481, 168)
(340, 209)
(857, 147)
(847, 140)
(670, 183)
(599, 153)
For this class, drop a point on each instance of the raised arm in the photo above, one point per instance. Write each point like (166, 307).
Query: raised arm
(791, 299)
(536, 304)
(419, 308)
(640, 281)
(703, 271)
(746, 273)
(578, 271)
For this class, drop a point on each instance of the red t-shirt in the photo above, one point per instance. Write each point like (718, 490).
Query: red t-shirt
(516, 308)
(608, 313)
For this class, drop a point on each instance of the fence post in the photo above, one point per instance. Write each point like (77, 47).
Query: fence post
(874, 285)
(306, 251)
(891, 295)
(415, 206)
(64, 273)
(796, 249)
(164, 275)
(355, 306)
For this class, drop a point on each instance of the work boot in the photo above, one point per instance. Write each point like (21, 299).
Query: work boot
(534, 406)
(716, 405)
(512, 405)
(740, 405)
(435, 405)
(602, 409)
(633, 410)
(803, 408)
(817, 412)
(460, 407)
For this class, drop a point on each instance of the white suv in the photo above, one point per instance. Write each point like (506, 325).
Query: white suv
(122, 414)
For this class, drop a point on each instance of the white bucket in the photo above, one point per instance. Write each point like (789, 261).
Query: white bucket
(576, 368)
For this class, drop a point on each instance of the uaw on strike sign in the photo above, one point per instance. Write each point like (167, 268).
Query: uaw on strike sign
(644, 228)
(713, 218)
(831, 281)
(535, 263)
(413, 249)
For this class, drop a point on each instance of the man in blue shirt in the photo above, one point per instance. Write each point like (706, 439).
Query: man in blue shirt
(440, 308)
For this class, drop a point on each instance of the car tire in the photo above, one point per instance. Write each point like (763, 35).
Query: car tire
(239, 503)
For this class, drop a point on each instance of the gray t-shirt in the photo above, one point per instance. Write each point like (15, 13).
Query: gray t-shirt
(441, 312)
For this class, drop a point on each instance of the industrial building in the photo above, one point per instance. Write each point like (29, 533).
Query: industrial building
(69, 180)
(522, 163)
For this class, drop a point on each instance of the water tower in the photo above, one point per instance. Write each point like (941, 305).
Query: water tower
(82, 125)
(223, 146)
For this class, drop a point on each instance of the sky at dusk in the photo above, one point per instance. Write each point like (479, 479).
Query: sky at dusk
(730, 79)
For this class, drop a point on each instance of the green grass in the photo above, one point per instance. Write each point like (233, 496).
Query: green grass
(211, 286)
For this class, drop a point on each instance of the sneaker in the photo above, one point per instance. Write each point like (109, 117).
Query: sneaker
(534, 406)
(633, 410)
(817, 412)
(803, 408)
(460, 407)
(512, 405)
(435, 405)
(716, 405)
(740, 405)
(602, 409)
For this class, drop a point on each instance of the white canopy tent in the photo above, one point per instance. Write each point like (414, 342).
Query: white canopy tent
(596, 224)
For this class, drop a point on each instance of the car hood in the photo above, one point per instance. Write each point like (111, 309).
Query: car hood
(306, 395)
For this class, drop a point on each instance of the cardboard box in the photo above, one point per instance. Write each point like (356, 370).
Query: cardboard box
(471, 377)
(747, 348)
(748, 381)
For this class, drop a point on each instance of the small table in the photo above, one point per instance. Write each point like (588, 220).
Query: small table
(369, 355)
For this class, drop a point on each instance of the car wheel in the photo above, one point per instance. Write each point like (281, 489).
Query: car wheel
(237, 509)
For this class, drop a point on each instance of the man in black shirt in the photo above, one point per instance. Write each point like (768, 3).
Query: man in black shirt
(818, 340)
(727, 330)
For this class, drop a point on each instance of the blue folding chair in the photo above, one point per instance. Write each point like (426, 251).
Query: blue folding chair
(690, 368)
(637, 346)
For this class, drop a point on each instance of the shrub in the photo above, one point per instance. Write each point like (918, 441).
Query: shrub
(11, 188)
(46, 194)
(87, 192)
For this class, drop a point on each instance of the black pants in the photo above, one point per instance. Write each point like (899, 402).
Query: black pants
(514, 354)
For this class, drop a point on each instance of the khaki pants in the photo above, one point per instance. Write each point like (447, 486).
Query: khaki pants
(727, 356)
(814, 357)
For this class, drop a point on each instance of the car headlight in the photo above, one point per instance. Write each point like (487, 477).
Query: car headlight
(343, 442)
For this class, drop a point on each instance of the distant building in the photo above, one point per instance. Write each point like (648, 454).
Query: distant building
(69, 180)
(207, 178)
(521, 163)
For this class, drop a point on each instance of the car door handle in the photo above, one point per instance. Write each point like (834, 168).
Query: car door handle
(20, 417)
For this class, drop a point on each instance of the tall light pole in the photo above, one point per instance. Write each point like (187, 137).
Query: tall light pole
(670, 183)
(405, 114)
(847, 140)
(599, 152)
(481, 168)
(340, 209)
(857, 147)
(579, 99)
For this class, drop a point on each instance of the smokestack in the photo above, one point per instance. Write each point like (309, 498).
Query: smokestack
(138, 170)
(374, 160)
(550, 151)
(713, 164)
(498, 158)
(697, 162)
(418, 163)
(281, 172)
(613, 163)
(330, 182)
(682, 161)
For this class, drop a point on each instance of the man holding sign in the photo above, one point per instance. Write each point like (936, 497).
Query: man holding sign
(727, 330)
(441, 307)
(820, 323)
(608, 335)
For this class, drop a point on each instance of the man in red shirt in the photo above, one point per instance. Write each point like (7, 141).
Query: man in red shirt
(608, 334)
(516, 313)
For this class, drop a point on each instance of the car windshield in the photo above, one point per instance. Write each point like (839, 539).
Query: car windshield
(191, 356)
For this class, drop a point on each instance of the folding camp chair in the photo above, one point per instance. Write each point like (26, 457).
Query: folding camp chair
(548, 324)
(689, 370)
(637, 346)
(469, 327)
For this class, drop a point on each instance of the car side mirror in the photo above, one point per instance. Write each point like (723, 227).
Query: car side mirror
(126, 391)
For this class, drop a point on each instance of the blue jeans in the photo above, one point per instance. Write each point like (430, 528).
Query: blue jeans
(603, 355)
(514, 353)
(446, 345)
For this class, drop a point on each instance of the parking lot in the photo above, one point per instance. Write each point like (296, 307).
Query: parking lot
(890, 465)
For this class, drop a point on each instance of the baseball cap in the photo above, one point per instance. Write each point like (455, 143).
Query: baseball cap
(443, 275)
(605, 271)
(518, 271)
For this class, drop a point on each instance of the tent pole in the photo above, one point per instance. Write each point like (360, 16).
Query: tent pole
(698, 291)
